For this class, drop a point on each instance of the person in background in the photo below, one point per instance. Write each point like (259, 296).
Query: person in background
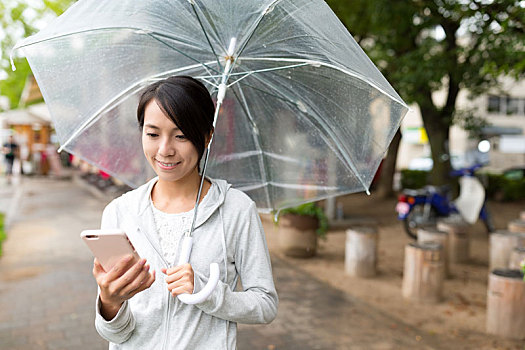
(10, 150)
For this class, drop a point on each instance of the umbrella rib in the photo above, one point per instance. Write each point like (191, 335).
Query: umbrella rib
(248, 73)
(333, 102)
(111, 102)
(267, 10)
(154, 36)
(244, 73)
(256, 139)
(332, 134)
(137, 30)
(319, 63)
(193, 6)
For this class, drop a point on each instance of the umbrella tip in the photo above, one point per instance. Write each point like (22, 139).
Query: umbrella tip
(13, 67)
(367, 192)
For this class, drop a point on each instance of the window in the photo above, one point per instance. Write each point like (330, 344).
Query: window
(513, 105)
(494, 104)
(506, 105)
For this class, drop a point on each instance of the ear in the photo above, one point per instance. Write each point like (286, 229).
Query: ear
(208, 138)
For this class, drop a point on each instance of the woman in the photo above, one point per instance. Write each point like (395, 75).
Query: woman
(136, 310)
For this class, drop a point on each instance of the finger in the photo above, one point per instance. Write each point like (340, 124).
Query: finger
(183, 281)
(97, 268)
(120, 268)
(178, 272)
(185, 289)
(131, 274)
(173, 270)
(147, 284)
(137, 282)
(178, 268)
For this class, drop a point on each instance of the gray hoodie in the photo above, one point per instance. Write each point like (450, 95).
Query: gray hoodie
(229, 232)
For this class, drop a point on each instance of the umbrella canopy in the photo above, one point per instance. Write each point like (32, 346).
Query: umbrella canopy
(306, 115)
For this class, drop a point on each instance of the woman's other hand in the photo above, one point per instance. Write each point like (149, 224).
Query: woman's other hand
(127, 278)
(179, 279)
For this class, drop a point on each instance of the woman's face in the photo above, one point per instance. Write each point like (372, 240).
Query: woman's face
(170, 154)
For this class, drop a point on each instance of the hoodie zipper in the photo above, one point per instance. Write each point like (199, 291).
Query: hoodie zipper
(167, 266)
(167, 323)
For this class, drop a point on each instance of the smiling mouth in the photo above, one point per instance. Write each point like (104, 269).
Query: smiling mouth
(167, 165)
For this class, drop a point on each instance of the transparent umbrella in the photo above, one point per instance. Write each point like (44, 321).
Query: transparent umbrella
(305, 113)
(302, 113)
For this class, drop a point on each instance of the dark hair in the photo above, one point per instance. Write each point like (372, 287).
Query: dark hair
(186, 102)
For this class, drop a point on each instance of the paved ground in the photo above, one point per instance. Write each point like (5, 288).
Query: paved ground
(47, 290)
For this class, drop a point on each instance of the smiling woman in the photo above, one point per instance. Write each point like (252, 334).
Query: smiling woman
(137, 310)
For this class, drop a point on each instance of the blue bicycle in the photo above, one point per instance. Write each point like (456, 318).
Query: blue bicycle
(423, 207)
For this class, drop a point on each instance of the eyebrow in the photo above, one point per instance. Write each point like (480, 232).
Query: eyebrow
(151, 126)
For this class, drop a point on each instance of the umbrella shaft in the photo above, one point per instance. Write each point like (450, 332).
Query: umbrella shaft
(220, 97)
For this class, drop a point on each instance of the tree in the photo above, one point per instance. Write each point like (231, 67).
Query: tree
(439, 45)
(19, 19)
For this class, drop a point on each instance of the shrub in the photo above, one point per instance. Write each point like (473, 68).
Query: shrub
(414, 178)
(310, 209)
(502, 188)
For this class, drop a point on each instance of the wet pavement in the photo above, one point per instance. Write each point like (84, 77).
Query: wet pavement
(47, 291)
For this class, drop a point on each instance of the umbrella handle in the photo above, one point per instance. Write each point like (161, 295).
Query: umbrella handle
(199, 297)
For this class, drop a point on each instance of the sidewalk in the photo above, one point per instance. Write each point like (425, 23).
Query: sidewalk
(47, 291)
(9, 198)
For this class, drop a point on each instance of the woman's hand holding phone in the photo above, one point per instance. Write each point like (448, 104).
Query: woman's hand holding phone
(127, 278)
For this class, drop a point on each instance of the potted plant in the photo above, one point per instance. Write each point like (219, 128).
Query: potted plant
(298, 229)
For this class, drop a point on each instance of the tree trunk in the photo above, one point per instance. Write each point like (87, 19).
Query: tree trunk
(386, 181)
(438, 129)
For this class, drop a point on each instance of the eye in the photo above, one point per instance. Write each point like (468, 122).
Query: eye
(180, 137)
(150, 134)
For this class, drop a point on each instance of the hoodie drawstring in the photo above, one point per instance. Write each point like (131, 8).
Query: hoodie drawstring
(225, 266)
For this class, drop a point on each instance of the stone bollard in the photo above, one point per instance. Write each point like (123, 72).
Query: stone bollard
(517, 226)
(458, 239)
(432, 234)
(424, 272)
(501, 244)
(361, 252)
(516, 257)
(506, 304)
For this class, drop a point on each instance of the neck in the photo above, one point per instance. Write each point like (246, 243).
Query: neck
(178, 196)
(185, 188)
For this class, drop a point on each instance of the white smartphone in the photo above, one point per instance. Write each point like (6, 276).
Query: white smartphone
(109, 246)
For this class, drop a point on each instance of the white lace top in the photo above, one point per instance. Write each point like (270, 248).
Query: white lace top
(171, 228)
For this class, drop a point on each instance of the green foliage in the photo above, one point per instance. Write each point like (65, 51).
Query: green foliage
(3, 236)
(313, 210)
(503, 188)
(414, 179)
(17, 19)
(427, 46)
(470, 122)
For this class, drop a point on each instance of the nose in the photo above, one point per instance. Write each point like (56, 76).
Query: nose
(166, 148)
